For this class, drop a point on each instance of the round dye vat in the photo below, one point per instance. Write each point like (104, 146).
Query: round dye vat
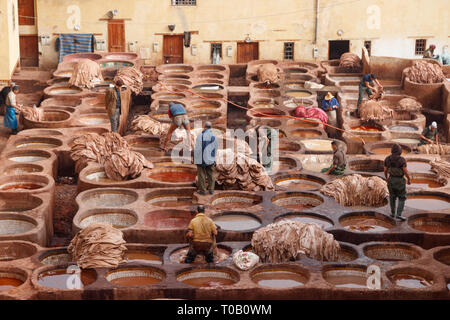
(10, 251)
(204, 116)
(386, 151)
(55, 257)
(208, 87)
(431, 223)
(38, 143)
(427, 202)
(59, 278)
(24, 203)
(346, 277)
(298, 94)
(365, 138)
(132, 277)
(169, 96)
(294, 86)
(318, 145)
(208, 278)
(262, 104)
(94, 119)
(237, 222)
(29, 156)
(121, 56)
(367, 165)
(367, 128)
(108, 198)
(308, 218)
(173, 175)
(99, 176)
(170, 200)
(366, 223)
(409, 281)
(116, 64)
(206, 105)
(278, 278)
(315, 163)
(63, 73)
(285, 145)
(55, 116)
(297, 201)
(64, 90)
(139, 256)
(347, 254)
(20, 186)
(306, 133)
(263, 112)
(168, 219)
(284, 164)
(298, 182)
(118, 219)
(418, 166)
(425, 183)
(406, 141)
(23, 169)
(9, 280)
(235, 200)
(391, 252)
(220, 255)
(403, 128)
(443, 256)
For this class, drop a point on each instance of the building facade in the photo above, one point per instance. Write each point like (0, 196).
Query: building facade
(234, 31)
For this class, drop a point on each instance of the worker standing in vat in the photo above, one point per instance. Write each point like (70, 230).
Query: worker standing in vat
(264, 146)
(179, 118)
(3, 94)
(10, 119)
(205, 150)
(202, 234)
(367, 85)
(394, 171)
(429, 134)
(339, 161)
(330, 105)
(113, 104)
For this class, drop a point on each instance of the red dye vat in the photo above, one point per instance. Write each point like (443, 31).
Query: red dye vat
(23, 186)
(173, 176)
(367, 128)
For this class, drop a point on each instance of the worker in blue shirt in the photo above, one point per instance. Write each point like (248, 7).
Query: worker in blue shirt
(179, 118)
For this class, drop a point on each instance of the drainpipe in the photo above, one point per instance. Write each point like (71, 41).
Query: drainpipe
(317, 21)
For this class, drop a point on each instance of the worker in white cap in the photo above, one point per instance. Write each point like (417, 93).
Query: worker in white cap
(330, 105)
(429, 134)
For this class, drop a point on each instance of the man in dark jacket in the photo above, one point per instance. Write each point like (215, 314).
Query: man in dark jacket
(205, 157)
(394, 171)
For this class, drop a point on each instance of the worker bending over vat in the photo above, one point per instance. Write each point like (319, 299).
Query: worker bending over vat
(10, 119)
(429, 134)
(339, 161)
(367, 86)
(180, 119)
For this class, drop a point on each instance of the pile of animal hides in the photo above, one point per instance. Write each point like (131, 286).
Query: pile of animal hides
(237, 171)
(32, 113)
(132, 78)
(112, 152)
(268, 73)
(350, 61)
(374, 111)
(283, 241)
(99, 245)
(86, 74)
(310, 113)
(441, 149)
(425, 72)
(408, 104)
(441, 167)
(148, 125)
(356, 190)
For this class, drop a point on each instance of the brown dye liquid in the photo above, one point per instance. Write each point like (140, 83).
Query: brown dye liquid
(232, 205)
(433, 227)
(298, 94)
(418, 166)
(385, 151)
(23, 186)
(301, 185)
(173, 203)
(410, 281)
(9, 283)
(366, 225)
(306, 219)
(279, 280)
(367, 128)
(348, 281)
(135, 281)
(208, 282)
(57, 279)
(427, 203)
(173, 176)
(425, 183)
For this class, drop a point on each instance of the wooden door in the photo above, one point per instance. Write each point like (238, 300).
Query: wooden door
(116, 36)
(247, 51)
(26, 12)
(173, 49)
(29, 52)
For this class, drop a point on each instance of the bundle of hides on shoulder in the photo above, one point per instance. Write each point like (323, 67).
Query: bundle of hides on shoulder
(283, 241)
(350, 60)
(86, 74)
(99, 245)
(32, 113)
(441, 149)
(132, 78)
(236, 170)
(268, 72)
(441, 167)
(408, 104)
(111, 151)
(425, 72)
(356, 190)
(374, 111)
